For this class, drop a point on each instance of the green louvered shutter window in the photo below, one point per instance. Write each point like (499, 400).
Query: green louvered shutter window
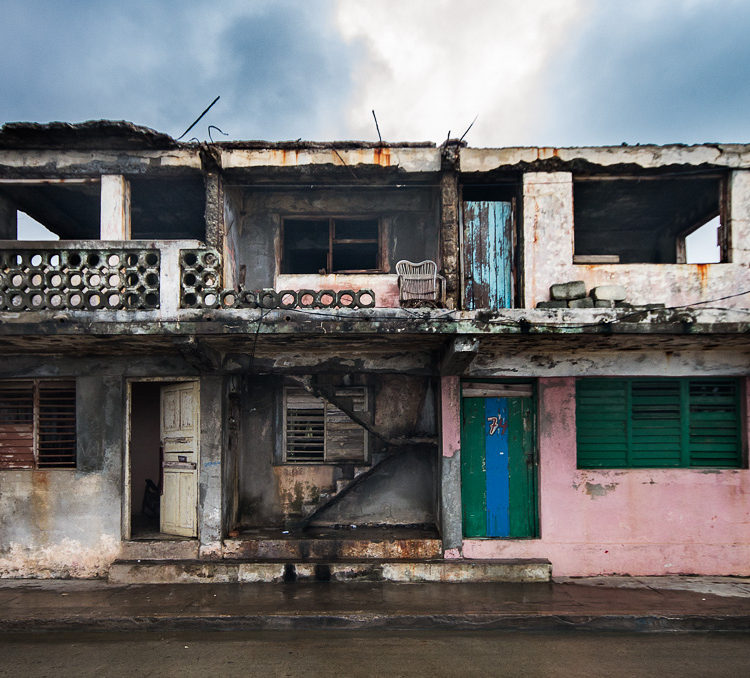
(658, 423)
(715, 436)
(602, 407)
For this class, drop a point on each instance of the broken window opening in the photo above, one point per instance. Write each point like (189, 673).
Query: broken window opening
(315, 431)
(702, 246)
(50, 210)
(646, 219)
(332, 245)
(37, 424)
(167, 208)
(30, 229)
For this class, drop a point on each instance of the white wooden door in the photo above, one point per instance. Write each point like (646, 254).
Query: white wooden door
(180, 430)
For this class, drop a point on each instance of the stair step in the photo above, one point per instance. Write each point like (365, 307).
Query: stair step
(238, 571)
(160, 549)
(344, 548)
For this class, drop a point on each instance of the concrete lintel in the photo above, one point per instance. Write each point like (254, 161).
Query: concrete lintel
(645, 156)
(406, 159)
(459, 355)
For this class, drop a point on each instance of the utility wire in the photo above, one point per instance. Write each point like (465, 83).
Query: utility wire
(197, 120)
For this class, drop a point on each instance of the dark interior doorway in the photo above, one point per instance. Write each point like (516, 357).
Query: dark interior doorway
(145, 468)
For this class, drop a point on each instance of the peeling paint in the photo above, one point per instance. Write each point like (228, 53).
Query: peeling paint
(598, 490)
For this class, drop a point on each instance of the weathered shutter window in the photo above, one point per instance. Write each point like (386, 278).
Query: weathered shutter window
(37, 424)
(658, 423)
(304, 426)
(317, 431)
(715, 437)
(17, 425)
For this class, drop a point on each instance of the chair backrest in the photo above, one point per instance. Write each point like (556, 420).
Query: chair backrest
(417, 280)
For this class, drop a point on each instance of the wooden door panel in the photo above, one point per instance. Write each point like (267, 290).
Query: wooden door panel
(498, 467)
(488, 254)
(180, 443)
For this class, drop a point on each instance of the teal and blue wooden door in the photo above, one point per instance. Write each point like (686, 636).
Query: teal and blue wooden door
(498, 470)
(488, 254)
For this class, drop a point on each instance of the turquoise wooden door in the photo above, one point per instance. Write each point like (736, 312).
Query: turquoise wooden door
(488, 254)
(498, 469)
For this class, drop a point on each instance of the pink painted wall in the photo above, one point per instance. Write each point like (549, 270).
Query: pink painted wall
(638, 522)
(384, 285)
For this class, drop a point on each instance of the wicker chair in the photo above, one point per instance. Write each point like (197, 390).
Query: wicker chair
(419, 283)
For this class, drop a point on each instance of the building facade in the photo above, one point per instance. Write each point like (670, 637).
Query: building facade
(292, 355)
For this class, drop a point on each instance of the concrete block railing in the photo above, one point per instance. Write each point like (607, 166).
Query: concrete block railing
(91, 275)
(201, 287)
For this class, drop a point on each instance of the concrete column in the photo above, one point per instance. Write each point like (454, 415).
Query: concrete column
(210, 479)
(214, 213)
(450, 466)
(739, 217)
(8, 220)
(449, 234)
(547, 233)
(115, 208)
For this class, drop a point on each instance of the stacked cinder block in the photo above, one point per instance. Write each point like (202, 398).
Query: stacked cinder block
(573, 295)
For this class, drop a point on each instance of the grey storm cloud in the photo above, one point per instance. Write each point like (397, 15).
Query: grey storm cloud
(280, 67)
(652, 72)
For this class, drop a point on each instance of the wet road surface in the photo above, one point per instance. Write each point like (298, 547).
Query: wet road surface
(374, 653)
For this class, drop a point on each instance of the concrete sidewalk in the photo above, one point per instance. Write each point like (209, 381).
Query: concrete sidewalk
(598, 603)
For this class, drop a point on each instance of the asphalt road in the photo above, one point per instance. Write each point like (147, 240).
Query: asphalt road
(368, 653)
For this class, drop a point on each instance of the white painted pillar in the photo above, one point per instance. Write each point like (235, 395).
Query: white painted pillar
(547, 233)
(170, 279)
(115, 208)
(739, 212)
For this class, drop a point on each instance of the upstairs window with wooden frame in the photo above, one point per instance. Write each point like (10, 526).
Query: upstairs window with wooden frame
(332, 245)
(315, 431)
(655, 423)
(37, 424)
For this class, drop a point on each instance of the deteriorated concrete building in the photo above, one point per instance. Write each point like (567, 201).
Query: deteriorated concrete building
(250, 361)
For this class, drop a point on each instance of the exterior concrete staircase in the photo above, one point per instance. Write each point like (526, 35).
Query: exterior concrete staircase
(347, 559)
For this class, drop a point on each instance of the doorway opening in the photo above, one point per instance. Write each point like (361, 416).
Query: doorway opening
(163, 459)
(145, 460)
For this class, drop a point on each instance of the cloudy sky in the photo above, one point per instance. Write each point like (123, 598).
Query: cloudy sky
(537, 72)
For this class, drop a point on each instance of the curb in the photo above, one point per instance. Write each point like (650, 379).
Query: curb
(461, 622)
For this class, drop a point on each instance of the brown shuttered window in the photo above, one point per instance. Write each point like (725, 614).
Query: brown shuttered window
(37, 424)
(315, 431)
